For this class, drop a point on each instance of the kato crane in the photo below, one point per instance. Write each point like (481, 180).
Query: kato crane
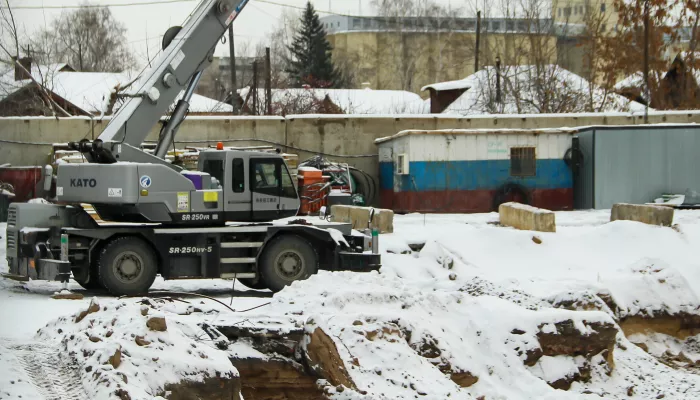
(217, 222)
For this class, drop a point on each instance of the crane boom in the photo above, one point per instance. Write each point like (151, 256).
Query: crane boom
(179, 65)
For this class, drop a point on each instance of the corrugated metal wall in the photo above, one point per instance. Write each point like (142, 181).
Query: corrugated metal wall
(638, 164)
(583, 181)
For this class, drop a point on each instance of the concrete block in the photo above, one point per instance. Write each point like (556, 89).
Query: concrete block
(648, 214)
(528, 218)
(359, 217)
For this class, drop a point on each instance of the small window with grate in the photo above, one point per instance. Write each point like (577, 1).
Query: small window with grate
(523, 161)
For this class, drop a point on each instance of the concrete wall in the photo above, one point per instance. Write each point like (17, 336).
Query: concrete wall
(331, 134)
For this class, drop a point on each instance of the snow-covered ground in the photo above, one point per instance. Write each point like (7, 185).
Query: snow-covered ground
(469, 288)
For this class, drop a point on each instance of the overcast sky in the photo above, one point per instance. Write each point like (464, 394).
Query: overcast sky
(146, 23)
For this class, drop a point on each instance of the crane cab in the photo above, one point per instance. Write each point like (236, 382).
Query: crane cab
(256, 186)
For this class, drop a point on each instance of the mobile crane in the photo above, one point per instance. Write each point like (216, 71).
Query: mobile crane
(163, 219)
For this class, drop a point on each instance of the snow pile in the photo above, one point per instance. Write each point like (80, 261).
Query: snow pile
(126, 347)
(480, 339)
(400, 355)
(461, 308)
(651, 287)
(527, 89)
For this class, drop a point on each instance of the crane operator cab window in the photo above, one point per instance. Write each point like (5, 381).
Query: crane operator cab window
(271, 177)
(238, 174)
(215, 168)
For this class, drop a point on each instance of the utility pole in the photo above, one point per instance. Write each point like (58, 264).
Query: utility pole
(268, 82)
(498, 79)
(646, 60)
(478, 37)
(255, 87)
(232, 65)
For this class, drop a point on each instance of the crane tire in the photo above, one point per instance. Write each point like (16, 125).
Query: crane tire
(89, 282)
(249, 283)
(286, 259)
(127, 266)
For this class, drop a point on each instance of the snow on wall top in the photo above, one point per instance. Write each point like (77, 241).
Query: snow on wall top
(352, 101)
(443, 132)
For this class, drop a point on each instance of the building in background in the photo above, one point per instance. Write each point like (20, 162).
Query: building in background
(409, 53)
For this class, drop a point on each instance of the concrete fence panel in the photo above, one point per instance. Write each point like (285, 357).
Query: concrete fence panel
(528, 218)
(648, 214)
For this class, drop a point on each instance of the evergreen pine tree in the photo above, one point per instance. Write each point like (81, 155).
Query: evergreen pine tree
(311, 62)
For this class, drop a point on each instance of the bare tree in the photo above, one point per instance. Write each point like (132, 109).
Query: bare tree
(9, 34)
(597, 28)
(673, 27)
(36, 99)
(89, 39)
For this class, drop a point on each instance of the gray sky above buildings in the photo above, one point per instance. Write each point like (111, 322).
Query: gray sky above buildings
(146, 23)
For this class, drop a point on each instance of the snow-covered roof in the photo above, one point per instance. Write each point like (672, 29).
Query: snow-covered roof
(633, 81)
(450, 85)
(352, 101)
(89, 91)
(636, 80)
(199, 104)
(523, 95)
(41, 73)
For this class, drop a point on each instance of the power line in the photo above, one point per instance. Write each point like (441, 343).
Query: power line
(153, 2)
(146, 3)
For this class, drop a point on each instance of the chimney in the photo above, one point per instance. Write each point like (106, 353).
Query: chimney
(20, 74)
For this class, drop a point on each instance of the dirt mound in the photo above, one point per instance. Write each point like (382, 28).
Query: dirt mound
(120, 353)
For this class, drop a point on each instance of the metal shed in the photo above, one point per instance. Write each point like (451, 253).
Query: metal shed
(635, 164)
(475, 170)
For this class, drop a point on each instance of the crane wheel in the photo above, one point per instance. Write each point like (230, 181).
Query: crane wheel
(286, 259)
(248, 282)
(88, 279)
(127, 266)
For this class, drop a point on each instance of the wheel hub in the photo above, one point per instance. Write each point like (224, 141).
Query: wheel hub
(128, 266)
(289, 265)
